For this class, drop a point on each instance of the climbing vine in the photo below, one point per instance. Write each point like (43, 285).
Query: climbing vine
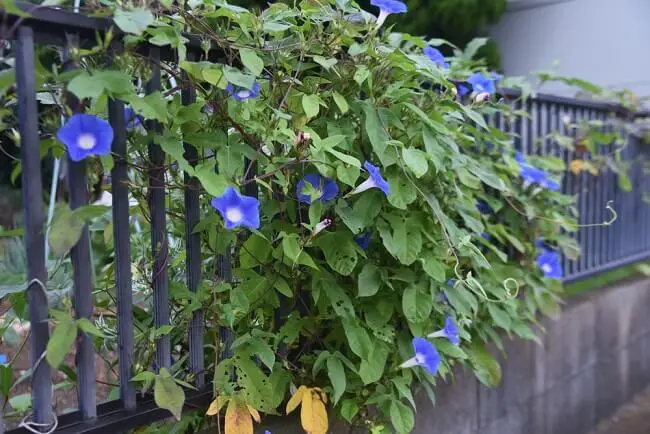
(381, 231)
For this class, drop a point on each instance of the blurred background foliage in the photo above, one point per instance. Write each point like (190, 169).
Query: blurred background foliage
(458, 21)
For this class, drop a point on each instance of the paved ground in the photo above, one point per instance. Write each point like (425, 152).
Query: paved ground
(632, 418)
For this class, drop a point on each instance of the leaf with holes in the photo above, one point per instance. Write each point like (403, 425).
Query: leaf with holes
(339, 252)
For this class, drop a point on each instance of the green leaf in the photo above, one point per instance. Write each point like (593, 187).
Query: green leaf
(473, 46)
(291, 247)
(251, 60)
(86, 326)
(402, 191)
(377, 135)
(152, 106)
(325, 63)
(349, 409)
(238, 78)
(352, 220)
(372, 369)
(339, 252)
(433, 267)
(415, 160)
(65, 231)
(347, 174)
(10, 7)
(417, 303)
(358, 338)
(282, 286)
(133, 21)
(311, 105)
(168, 394)
(486, 368)
(341, 102)
(401, 417)
(173, 146)
(488, 177)
(61, 342)
(215, 184)
(255, 251)
(369, 281)
(336, 373)
(344, 157)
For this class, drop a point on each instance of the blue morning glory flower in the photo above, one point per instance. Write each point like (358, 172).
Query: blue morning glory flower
(85, 135)
(451, 282)
(436, 56)
(549, 262)
(387, 7)
(375, 180)
(3, 359)
(327, 188)
(237, 210)
(449, 331)
(462, 90)
(532, 175)
(483, 207)
(363, 240)
(550, 184)
(426, 356)
(241, 93)
(486, 236)
(133, 121)
(482, 83)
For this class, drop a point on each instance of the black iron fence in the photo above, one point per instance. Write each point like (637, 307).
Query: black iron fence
(604, 247)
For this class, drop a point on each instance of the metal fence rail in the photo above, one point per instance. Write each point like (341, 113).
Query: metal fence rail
(605, 247)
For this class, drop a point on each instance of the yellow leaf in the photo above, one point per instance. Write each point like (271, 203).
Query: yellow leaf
(238, 419)
(215, 406)
(307, 412)
(296, 399)
(576, 166)
(254, 413)
(323, 397)
(319, 417)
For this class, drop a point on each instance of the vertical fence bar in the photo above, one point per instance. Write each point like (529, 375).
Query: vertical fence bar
(193, 246)
(32, 190)
(157, 207)
(82, 273)
(121, 233)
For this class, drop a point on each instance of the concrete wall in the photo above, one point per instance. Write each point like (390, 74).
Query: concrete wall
(595, 356)
(603, 41)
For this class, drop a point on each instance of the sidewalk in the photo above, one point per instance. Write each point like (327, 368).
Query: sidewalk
(632, 418)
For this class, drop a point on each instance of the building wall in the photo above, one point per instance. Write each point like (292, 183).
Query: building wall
(603, 41)
(594, 357)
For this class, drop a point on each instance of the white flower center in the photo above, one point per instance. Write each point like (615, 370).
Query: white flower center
(234, 215)
(86, 141)
(420, 359)
(244, 94)
(546, 268)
